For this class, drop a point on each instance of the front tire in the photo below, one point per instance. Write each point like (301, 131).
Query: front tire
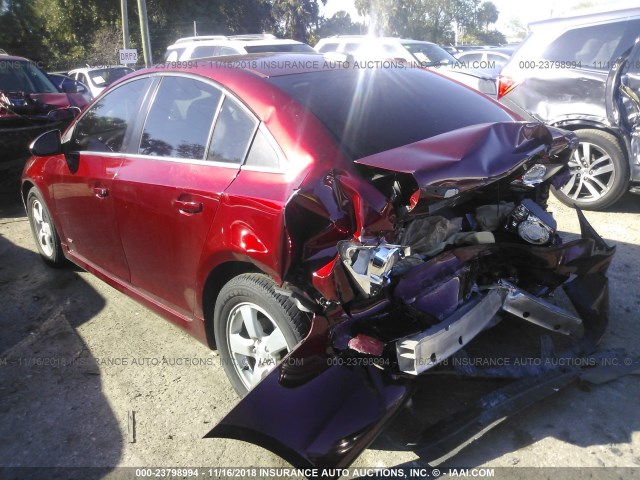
(254, 329)
(599, 172)
(43, 229)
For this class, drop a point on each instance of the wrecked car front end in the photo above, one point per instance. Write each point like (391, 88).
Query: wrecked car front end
(406, 259)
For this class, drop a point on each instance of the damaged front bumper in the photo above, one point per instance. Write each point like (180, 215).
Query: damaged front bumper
(325, 402)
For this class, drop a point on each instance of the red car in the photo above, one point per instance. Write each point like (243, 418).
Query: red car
(30, 104)
(335, 232)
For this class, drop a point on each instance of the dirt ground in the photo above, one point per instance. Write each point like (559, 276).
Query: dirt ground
(76, 356)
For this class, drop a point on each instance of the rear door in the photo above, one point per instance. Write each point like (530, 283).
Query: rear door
(169, 190)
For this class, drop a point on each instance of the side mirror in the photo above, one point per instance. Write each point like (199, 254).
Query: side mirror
(49, 143)
(69, 87)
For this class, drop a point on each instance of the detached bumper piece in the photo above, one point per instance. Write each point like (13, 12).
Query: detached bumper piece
(420, 352)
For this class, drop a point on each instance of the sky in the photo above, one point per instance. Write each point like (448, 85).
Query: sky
(525, 11)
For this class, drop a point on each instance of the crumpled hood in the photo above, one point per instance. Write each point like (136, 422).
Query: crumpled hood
(473, 156)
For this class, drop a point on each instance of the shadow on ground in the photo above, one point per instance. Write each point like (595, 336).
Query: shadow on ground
(52, 409)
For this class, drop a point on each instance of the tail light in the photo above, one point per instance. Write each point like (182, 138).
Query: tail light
(505, 85)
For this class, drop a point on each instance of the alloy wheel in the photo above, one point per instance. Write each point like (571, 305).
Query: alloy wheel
(592, 173)
(255, 342)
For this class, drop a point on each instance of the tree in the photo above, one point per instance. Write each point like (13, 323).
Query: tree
(339, 24)
(487, 14)
(297, 17)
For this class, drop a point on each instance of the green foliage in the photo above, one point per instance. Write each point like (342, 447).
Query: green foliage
(432, 20)
(66, 34)
(339, 24)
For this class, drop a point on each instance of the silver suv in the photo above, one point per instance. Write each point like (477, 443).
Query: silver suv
(191, 48)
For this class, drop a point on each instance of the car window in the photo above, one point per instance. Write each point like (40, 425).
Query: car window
(262, 152)
(23, 76)
(228, 51)
(232, 134)
(279, 48)
(328, 47)
(180, 118)
(499, 60)
(174, 54)
(104, 126)
(351, 47)
(374, 110)
(595, 46)
(106, 76)
(204, 51)
(471, 57)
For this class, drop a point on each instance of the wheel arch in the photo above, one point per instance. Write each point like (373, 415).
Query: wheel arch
(26, 187)
(214, 282)
(583, 124)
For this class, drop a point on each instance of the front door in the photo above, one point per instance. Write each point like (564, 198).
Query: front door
(84, 193)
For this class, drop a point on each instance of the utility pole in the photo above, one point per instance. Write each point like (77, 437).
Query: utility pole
(144, 30)
(125, 24)
(195, 29)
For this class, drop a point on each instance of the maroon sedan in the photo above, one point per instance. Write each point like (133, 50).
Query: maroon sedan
(336, 232)
(30, 103)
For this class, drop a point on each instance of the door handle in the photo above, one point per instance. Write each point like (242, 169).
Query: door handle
(188, 206)
(101, 191)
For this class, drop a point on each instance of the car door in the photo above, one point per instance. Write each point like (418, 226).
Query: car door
(625, 84)
(83, 192)
(169, 190)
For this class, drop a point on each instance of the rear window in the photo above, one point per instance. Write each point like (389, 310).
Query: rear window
(594, 46)
(374, 110)
(281, 47)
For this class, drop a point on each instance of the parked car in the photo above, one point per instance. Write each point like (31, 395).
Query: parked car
(364, 47)
(29, 105)
(334, 232)
(581, 74)
(191, 48)
(69, 85)
(484, 64)
(490, 58)
(415, 53)
(99, 78)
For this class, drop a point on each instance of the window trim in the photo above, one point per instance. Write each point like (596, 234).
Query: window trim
(137, 128)
(262, 128)
(130, 132)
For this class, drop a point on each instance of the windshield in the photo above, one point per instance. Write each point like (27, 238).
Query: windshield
(374, 110)
(106, 76)
(430, 55)
(281, 47)
(24, 76)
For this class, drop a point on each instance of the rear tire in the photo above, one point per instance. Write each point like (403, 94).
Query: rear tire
(599, 172)
(254, 329)
(44, 231)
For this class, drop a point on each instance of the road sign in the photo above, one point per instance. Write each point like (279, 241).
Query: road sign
(128, 55)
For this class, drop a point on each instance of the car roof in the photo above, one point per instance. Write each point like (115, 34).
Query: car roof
(91, 69)
(259, 64)
(589, 18)
(14, 58)
(372, 38)
(237, 40)
(505, 51)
